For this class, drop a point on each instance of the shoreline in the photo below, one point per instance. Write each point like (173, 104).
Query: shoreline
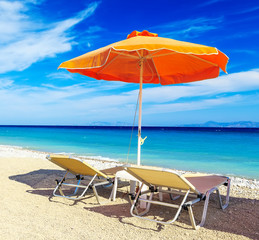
(21, 152)
(217, 155)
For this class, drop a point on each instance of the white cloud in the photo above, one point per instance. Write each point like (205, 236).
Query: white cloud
(236, 82)
(111, 102)
(232, 83)
(12, 20)
(61, 75)
(192, 105)
(25, 41)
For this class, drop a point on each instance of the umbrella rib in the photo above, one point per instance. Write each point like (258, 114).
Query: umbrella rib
(124, 54)
(166, 54)
(105, 66)
(151, 54)
(214, 64)
(161, 55)
(118, 53)
(156, 70)
(139, 53)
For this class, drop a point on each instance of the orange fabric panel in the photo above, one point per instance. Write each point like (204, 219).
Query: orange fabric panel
(165, 61)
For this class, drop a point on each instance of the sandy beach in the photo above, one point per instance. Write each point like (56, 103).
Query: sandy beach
(28, 210)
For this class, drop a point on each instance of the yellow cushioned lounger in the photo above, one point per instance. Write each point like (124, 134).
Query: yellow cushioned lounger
(81, 170)
(197, 186)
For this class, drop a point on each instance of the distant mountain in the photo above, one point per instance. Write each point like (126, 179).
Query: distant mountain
(108, 124)
(99, 123)
(241, 124)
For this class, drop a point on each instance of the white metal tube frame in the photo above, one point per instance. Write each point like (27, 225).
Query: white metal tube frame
(189, 204)
(183, 204)
(149, 201)
(77, 186)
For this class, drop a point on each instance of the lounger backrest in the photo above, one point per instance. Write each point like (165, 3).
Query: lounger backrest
(75, 166)
(160, 177)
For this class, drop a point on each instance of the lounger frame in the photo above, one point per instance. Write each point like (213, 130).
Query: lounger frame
(184, 204)
(82, 171)
(92, 184)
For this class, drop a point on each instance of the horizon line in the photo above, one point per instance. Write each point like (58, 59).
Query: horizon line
(135, 127)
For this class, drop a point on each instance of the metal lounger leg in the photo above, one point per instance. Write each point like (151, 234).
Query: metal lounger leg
(59, 186)
(96, 194)
(204, 213)
(160, 194)
(114, 190)
(148, 205)
(179, 207)
(227, 196)
(133, 206)
(73, 185)
(205, 208)
(95, 191)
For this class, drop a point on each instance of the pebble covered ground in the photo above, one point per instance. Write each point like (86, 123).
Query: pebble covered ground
(29, 211)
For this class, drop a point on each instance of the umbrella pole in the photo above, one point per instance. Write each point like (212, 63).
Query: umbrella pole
(143, 205)
(133, 183)
(140, 110)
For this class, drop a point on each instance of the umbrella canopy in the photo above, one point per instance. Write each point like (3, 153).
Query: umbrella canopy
(165, 61)
(146, 58)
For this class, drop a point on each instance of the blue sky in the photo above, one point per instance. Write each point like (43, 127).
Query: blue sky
(36, 36)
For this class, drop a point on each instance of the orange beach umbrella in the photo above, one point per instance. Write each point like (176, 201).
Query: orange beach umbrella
(146, 58)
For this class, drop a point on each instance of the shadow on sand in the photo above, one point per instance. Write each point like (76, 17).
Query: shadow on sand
(241, 217)
(42, 181)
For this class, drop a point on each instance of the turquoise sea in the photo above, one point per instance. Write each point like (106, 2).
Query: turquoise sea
(228, 151)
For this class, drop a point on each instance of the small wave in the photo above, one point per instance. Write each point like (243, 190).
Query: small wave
(99, 158)
(65, 153)
(11, 146)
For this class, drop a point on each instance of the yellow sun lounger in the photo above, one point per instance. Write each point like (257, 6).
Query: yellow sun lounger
(82, 171)
(197, 186)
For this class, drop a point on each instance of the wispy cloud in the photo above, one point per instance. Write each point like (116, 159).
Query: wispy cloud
(248, 10)
(24, 41)
(246, 51)
(61, 75)
(232, 83)
(247, 34)
(86, 103)
(5, 82)
(192, 105)
(94, 29)
(206, 3)
(188, 28)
